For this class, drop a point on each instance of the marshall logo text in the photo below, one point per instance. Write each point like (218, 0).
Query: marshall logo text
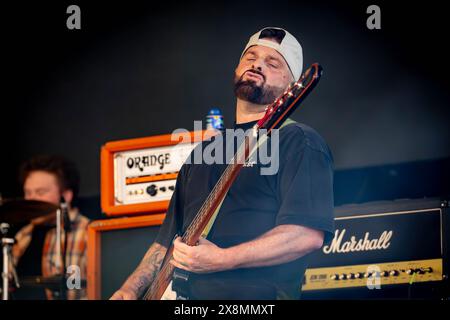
(364, 244)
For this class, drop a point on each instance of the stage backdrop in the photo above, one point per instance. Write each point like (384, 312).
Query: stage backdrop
(138, 69)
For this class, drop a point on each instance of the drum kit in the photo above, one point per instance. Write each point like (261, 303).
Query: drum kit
(39, 214)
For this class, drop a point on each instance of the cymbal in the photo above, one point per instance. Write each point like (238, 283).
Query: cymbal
(24, 211)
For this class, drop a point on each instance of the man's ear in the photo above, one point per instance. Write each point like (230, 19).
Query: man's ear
(68, 196)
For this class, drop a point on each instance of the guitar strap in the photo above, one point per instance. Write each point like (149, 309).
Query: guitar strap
(208, 227)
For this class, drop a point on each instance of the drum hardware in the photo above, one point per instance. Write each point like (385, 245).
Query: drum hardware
(19, 211)
(37, 213)
(7, 244)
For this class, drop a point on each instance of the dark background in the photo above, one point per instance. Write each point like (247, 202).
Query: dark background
(138, 69)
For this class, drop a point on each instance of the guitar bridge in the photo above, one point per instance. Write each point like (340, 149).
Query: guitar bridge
(180, 275)
(180, 283)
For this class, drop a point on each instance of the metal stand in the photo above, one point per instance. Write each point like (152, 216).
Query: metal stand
(63, 223)
(66, 227)
(7, 261)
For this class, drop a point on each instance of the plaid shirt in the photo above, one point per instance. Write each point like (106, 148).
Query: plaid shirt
(51, 263)
(76, 253)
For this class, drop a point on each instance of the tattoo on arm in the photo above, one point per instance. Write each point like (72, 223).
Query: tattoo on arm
(144, 274)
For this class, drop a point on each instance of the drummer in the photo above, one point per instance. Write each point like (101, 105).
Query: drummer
(48, 178)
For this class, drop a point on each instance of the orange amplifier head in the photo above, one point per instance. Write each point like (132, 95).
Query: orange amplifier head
(138, 175)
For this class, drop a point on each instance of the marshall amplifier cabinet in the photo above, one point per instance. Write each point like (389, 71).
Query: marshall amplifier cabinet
(138, 175)
(384, 250)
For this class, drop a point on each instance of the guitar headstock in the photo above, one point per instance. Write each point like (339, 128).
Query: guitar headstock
(286, 103)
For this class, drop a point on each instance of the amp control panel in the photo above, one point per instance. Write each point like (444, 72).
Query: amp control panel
(373, 274)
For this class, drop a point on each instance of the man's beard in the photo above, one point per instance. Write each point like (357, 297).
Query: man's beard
(248, 90)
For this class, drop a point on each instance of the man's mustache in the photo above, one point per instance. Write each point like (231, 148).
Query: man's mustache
(254, 71)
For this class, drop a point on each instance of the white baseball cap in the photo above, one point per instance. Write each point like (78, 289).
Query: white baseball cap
(289, 48)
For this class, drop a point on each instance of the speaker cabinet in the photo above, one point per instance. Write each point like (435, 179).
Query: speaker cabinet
(115, 248)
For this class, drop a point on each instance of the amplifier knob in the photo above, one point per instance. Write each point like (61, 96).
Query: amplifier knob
(420, 271)
(384, 273)
(163, 189)
(151, 190)
(334, 277)
(351, 276)
(393, 273)
(359, 275)
(342, 277)
(171, 188)
(427, 270)
(410, 271)
(367, 274)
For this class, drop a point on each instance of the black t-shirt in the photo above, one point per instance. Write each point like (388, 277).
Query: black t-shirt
(300, 193)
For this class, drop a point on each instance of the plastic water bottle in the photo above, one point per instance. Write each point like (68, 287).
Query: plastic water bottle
(214, 120)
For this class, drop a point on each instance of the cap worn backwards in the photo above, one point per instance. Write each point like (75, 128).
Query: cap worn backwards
(287, 45)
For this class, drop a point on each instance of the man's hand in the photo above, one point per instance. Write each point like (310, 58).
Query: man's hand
(205, 257)
(124, 294)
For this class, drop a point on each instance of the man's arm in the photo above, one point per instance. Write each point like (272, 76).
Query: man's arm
(23, 239)
(282, 244)
(142, 277)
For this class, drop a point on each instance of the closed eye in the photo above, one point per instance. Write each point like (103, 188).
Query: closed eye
(273, 63)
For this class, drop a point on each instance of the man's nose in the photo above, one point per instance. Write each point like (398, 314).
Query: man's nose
(256, 66)
(31, 196)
